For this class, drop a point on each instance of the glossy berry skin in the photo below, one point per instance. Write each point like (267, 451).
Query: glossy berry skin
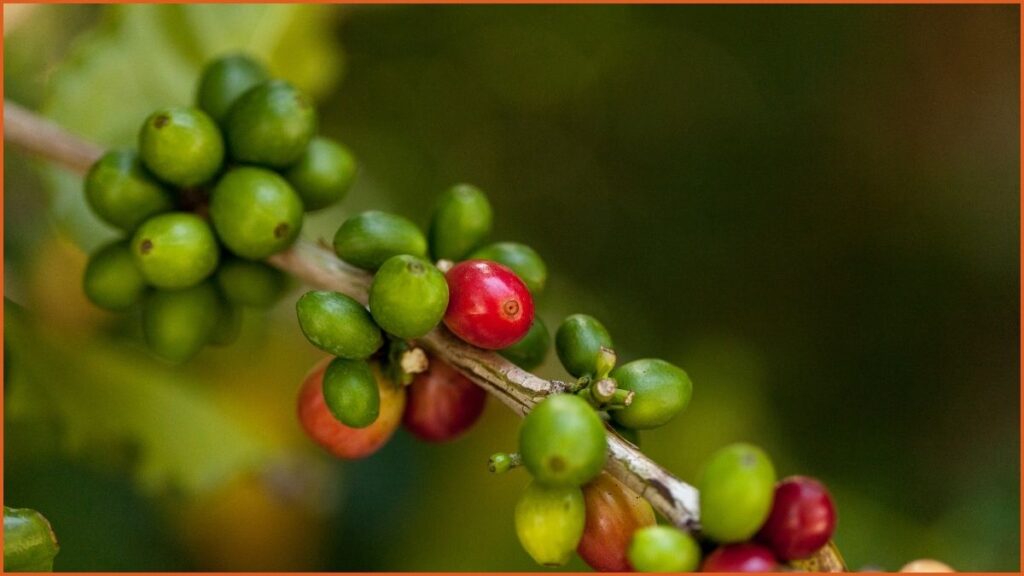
(350, 392)
(177, 324)
(663, 549)
(519, 258)
(736, 491)
(335, 323)
(532, 350)
(802, 518)
(661, 390)
(614, 513)
(742, 557)
(408, 296)
(248, 283)
(461, 221)
(175, 250)
(926, 565)
(344, 441)
(562, 441)
(111, 280)
(122, 193)
(488, 306)
(549, 522)
(271, 124)
(224, 80)
(578, 342)
(181, 146)
(368, 239)
(323, 174)
(442, 403)
(255, 212)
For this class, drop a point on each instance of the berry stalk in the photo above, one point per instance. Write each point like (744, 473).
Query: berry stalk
(518, 389)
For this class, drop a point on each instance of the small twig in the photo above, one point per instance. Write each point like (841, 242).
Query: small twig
(518, 389)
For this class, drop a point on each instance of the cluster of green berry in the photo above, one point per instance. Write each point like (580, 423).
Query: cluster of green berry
(211, 190)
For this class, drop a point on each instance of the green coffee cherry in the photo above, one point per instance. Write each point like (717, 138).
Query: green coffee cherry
(181, 146)
(350, 392)
(550, 522)
(255, 212)
(175, 250)
(248, 283)
(368, 239)
(224, 80)
(736, 491)
(462, 220)
(228, 327)
(521, 259)
(112, 281)
(578, 343)
(661, 390)
(178, 323)
(563, 441)
(663, 549)
(122, 193)
(408, 296)
(531, 351)
(29, 542)
(335, 323)
(270, 124)
(323, 174)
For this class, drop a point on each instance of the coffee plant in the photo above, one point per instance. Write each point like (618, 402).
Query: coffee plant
(419, 329)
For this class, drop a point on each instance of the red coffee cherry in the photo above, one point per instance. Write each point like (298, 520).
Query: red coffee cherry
(802, 519)
(488, 305)
(743, 557)
(335, 437)
(614, 513)
(442, 403)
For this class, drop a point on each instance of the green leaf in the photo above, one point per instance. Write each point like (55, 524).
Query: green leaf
(29, 543)
(141, 57)
(179, 438)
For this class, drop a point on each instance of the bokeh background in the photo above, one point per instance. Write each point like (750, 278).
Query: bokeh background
(813, 210)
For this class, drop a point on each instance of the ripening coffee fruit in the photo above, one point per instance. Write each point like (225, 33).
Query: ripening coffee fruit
(323, 174)
(562, 441)
(549, 522)
(270, 124)
(519, 258)
(461, 222)
(224, 80)
(249, 283)
(175, 250)
(661, 391)
(442, 403)
(122, 193)
(578, 342)
(663, 549)
(181, 146)
(802, 518)
(350, 392)
(112, 280)
(255, 212)
(178, 323)
(736, 491)
(341, 440)
(742, 557)
(408, 296)
(488, 305)
(531, 351)
(228, 327)
(614, 513)
(335, 323)
(926, 565)
(368, 239)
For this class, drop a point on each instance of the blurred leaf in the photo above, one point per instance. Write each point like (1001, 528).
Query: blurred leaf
(178, 438)
(29, 543)
(141, 57)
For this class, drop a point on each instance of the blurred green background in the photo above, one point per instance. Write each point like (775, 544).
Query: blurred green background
(813, 210)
